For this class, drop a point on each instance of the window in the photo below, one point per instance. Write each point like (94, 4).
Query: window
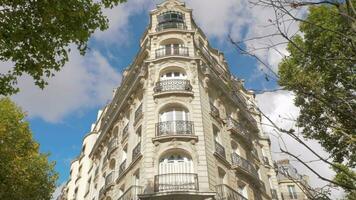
(222, 176)
(170, 16)
(242, 189)
(173, 75)
(173, 114)
(292, 192)
(216, 132)
(175, 163)
(124, 154)
(138, 134)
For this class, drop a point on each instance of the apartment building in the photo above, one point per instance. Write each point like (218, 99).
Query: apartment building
(180, 125)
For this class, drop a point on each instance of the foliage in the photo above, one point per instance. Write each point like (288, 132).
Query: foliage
(321, 72)
(343, 177)
(24, 172)
(34, 36)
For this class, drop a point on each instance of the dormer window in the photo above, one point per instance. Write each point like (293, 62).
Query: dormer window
(170, 19)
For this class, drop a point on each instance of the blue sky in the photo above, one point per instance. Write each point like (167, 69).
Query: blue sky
(62, 114)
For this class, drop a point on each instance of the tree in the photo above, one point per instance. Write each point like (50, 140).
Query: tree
(320, 70)
(25, 173)
(34, 36)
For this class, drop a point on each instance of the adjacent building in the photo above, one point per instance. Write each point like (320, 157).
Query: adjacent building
(180, 126)
(292, 185)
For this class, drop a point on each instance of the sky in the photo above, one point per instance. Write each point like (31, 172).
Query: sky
(62, 113)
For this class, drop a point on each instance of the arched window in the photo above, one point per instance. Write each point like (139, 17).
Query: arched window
(173, 114)
(175, 163)
(174, 74)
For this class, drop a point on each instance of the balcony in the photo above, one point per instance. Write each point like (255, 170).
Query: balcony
(214, 111)
(224, 192)
(113, 144)
(220, 150)
(131, 193)
(122, 168)
(136, 152)
(125, 133)
(181, 129)
(244, 165)
(138, 114)
(171, 25)
(172, 51)
(176, 182)
(236, 128)
(173, 85)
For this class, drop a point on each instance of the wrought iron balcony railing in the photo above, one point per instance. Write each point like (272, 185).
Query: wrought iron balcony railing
(174, 128)
(214, 110)
(219, 149)
(138, 113)
(122, 168)
(113, 144)
(244, 164)
(173, 85)
(236, 127)
(110, 179)
(172, 51)
(131, 193)
(171, 25)
(224, 192)
(125, 132)
(176, 182)
(136, 152)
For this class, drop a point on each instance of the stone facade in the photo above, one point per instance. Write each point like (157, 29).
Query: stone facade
(180, 126)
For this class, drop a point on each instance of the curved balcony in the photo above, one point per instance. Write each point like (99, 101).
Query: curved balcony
(180, 129)
(174, 51)
(173, 86)
(176, 182)
(244, 165)
(237, 129)
(171, 25)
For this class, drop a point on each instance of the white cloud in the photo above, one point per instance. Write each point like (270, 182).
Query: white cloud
(84, 82)
(119, 18)
(280, 108)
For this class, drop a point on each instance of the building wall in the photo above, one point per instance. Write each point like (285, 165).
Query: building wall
(138, 88)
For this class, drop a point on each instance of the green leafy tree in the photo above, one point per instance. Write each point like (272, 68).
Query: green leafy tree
(25, 173)
(321, 72)
(34, 36)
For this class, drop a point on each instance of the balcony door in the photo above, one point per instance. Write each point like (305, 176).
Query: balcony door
(173, 121)
(176, 173)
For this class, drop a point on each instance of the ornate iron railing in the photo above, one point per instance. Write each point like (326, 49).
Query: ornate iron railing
(131, 193)
(110, 179)
(172, 51)
(176, 182)
(234, 125)
(224, 192)
(173, 85)
(138, 113)
(136, 151)
(244, 164)
(125, 132)
(112, 145)
(174, 128)
(171, 25)
(274, 194)
(122, 168)
(214, 110)
(219, 149)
